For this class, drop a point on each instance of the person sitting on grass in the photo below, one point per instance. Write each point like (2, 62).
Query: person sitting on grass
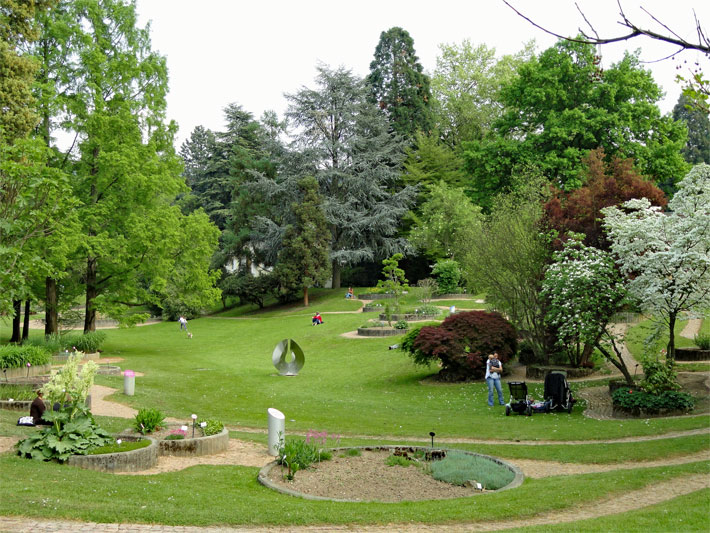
(317, 319)
(37, 409)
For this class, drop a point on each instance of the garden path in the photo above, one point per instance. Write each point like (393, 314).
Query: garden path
(692, 328)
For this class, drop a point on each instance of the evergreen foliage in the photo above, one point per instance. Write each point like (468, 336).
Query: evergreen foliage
(398, 84)
(697, 147)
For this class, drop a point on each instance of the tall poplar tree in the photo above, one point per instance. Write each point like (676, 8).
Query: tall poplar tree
(697, 147)
(398, 84)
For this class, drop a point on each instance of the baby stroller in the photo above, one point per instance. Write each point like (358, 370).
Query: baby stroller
(521, 403)
(557, 391)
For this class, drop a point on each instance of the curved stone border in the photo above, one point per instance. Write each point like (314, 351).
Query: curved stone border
(131, 461)
(375, 296)
(379, 332)
(190, 447)
(263, 476)
(25, 372)
(409, 316)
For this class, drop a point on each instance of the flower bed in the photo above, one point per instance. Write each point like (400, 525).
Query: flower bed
(375, 296)
(382, 331)
(188, 446)
(362, 476)
(131, 461)
(409, 316)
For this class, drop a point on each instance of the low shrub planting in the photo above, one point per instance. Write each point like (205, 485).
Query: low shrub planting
(88, 342)
(702, 341)
(19, 356)
(148, 420)
(297, 454)
(635, 401)
(398, 460)
(400, 324)
(176, 434)
(457, 468)
(211, 426)
(19, 393)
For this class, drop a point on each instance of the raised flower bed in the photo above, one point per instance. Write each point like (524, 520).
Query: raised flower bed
(379, 331)
(130, 461)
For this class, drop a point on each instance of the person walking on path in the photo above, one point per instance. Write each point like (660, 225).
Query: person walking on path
(494, 369)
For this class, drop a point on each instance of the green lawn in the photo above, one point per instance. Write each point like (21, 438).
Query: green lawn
(354, 387)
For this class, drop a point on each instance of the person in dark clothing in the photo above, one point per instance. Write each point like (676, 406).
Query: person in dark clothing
(37, 409)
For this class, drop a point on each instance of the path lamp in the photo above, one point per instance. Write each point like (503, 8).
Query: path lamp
(432, 434)
(194, 420)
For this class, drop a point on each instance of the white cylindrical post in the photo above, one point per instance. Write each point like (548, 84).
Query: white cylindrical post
(277, 430)
(129, 382)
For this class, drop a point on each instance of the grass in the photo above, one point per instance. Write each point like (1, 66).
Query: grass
(125, 446)
(354, 387)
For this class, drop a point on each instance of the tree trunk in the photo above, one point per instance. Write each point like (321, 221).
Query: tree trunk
(17, 307)
(51, 314)
(336, 275)
(618, 362)
(305, 296)
(26, 322)
(670, 351)
(91, 293)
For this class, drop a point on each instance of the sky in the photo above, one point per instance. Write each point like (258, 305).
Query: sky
(252, 52)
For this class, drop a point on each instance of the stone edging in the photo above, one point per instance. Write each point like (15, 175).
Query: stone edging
(408, 316)
(691, 354)
(25, 372)
(131, 461)
(189, 447)
(379, 332)
(263, 476)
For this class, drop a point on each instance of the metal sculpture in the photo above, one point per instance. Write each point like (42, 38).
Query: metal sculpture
(288, 357)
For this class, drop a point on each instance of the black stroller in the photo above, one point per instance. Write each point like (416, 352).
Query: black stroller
(557, 391)
(520, 402)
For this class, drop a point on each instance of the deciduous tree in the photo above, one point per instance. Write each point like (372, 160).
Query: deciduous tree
(666, 255)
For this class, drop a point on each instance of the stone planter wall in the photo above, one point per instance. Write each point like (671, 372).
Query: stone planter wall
(375, 296)
(692, 354)
(407, 316)
(189, 447)
(539, 372)
(368, 309)
(449, 296)
(61, 357)
(132, 461)
(379, 332)
(25, 372)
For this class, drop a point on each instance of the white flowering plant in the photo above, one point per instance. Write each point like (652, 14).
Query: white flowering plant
(73, 430)
(584, 289)
(666, 254)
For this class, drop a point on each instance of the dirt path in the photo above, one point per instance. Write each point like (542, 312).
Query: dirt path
(692, 328)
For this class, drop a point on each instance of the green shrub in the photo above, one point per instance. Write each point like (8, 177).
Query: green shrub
(88, 342)
(659, 375)
(73, 432)
(637, 401)
(18, 393)
(212, 426)
(53, 343)
(407, 345)
(148, 420)
(458, 467)
(19, 356)
(297, 454)
(352, 452)
(447, 273)
(401, 324)
(398, 460)
(702, 341)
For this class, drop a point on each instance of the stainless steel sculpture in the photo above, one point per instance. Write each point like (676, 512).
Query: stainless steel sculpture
(288, 357)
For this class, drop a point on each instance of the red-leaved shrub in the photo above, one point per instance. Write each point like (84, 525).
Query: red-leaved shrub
(462, 343)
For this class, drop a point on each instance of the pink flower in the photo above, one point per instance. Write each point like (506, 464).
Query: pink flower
(630, 391)
(29, 365)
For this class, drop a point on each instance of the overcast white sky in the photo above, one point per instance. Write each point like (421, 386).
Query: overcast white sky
(251, 53)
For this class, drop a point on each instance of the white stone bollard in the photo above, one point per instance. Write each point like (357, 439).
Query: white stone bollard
(129, 382)
(277, 430)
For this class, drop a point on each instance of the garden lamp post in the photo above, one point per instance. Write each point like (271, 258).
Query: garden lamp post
(194, 420)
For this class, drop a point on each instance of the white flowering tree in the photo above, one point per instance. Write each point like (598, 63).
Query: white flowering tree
(666, 255)
(584, 289)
